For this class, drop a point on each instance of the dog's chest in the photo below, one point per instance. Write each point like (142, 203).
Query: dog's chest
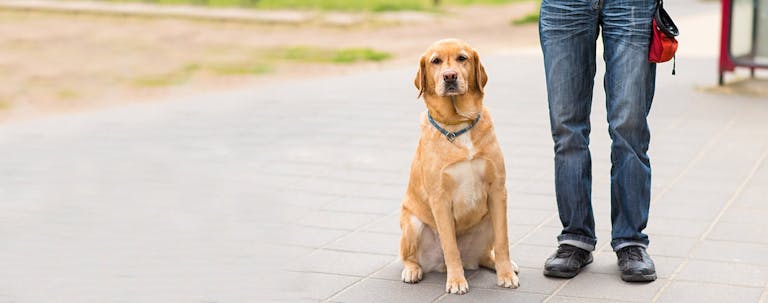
(468, 177)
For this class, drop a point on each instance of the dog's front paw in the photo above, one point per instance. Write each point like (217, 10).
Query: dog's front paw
(515, 268)
(457, 285)
(411, 274)
(507, 279)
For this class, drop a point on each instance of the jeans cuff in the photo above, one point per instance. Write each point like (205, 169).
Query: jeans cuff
(621, 244)
(583, 242)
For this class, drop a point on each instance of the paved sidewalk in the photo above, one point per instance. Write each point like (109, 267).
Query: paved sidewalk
(291, 193)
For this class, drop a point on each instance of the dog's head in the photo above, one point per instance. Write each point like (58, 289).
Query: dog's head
(450, 67)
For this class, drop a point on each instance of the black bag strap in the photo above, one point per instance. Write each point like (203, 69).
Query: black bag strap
(664, 21)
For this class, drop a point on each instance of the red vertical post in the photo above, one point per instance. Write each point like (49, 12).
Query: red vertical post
(725, 41)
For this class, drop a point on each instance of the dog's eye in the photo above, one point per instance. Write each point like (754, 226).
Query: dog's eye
(436, 61)
(461, 58)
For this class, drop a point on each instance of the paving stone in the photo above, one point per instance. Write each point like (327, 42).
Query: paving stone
(516, 200)
(753, 195)
(676, 227)
(544, 236)
(670, 246)
(491, 295)
(675, 209)
(566, 299)
(369, 242)
(696, 292)
(531, 280)
(337, 220)
(322, 286)
(532, 256)
(740, 232)
(749, 253)
(517, 232)
(745, 215)
(389, 224)
(364, 205)
(528, 216)
(610, 287)
(342, 263)
(725, 273)
(311, 237)
(375, 290)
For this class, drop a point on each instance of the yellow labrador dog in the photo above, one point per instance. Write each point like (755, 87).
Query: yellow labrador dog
(454, 213)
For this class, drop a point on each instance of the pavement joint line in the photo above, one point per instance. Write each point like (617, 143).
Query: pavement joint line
(535, 229)
(323, 273)
(714, 222)
(323, 208)
(719, 283)
(764, 296)
(589, 298)
(359, 252)
(700, 155)
(368, 277)
(351, 231)
(722, 261)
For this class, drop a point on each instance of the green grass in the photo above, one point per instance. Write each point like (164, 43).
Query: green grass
(174, 77)
(324, 55)
(67, 94)
(346, 5)
(527, 19)
(258, 65)
(245, 68)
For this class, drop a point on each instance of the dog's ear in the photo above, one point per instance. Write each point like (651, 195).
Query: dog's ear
(421, 77)
(481, 78)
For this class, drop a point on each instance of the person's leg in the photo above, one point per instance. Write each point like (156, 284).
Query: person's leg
(568, 30)
(629, 87)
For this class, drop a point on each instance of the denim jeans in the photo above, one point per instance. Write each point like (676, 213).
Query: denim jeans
(568, 30)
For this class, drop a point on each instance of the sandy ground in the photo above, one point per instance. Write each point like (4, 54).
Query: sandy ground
(53, 63)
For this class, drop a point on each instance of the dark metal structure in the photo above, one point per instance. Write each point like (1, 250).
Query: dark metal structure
(744, 36)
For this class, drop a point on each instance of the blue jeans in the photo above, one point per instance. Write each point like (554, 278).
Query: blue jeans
(568, 30)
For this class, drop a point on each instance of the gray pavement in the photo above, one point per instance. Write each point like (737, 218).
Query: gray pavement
(291, 193)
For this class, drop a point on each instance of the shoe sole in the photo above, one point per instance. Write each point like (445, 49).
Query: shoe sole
(639, 278)
(566, 275)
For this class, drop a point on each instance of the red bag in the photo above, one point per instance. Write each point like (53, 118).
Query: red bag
(663, 43)
(663, 47)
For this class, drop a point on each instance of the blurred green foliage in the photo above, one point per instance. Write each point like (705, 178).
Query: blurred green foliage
(260, 63)
(529, 18)
(355, 5)
(315, 54)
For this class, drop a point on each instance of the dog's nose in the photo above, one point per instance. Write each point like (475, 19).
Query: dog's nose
(450, 75)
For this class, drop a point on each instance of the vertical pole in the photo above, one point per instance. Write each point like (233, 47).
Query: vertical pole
(755, 17)
(725, 63)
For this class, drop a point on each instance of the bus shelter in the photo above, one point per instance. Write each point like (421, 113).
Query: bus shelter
(744, 36)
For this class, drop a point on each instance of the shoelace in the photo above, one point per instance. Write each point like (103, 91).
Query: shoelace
(633, 253)
(564, 252)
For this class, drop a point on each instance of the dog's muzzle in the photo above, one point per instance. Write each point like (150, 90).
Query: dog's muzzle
(451, 80)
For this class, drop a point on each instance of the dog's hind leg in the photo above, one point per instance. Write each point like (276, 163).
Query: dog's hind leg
(409, 246)
(487, 260)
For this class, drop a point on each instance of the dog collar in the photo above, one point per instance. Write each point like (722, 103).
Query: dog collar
(452, 135)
